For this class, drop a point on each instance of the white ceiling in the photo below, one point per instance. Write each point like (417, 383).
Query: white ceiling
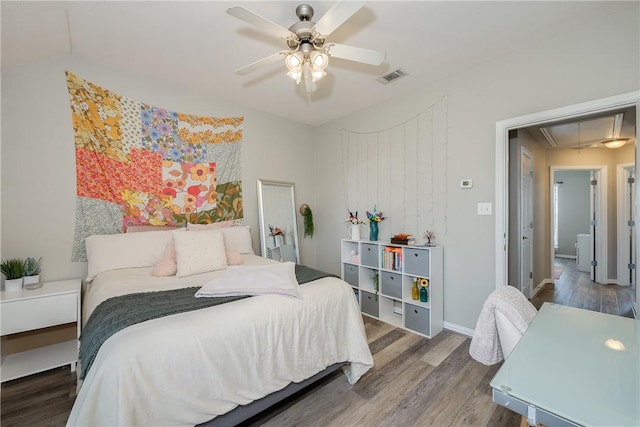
(197, 46)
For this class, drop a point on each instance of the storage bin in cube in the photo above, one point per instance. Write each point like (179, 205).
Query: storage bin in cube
(417, 319)
(369, 255)
(391, 284)
(351, 274)
(370, 304)
(416, 262)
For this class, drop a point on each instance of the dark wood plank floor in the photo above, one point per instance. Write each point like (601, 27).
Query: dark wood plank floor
(415, 381)
(575, 288)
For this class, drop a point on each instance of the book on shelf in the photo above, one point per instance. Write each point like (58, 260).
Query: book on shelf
(392, 258)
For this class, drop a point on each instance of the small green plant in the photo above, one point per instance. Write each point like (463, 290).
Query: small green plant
(308, 221)
(12, 268)
(32, 267)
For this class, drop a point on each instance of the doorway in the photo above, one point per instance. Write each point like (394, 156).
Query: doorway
(502, 201)
(578, 212)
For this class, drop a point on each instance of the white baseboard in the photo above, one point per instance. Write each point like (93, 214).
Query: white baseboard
(539, 287)
(459, 329)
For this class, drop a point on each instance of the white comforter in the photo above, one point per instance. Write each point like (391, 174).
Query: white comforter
(188, 368)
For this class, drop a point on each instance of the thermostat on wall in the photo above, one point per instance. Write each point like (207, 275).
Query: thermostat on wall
(466, 183)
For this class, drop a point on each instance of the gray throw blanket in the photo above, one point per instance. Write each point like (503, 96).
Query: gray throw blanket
(117, 313)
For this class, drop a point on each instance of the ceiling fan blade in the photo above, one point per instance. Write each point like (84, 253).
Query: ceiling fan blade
(336, 16)
(259, 21)
(259, 63)
(357, 54)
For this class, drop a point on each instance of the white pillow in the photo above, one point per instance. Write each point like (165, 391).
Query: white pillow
(199, 252)
(279, 278)
(125, 250)
(238, 239)
(210, 226)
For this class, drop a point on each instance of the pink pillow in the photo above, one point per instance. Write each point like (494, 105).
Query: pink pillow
(212, 226)
(168, 264)
(234, 257)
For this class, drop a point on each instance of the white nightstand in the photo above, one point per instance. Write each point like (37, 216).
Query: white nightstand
(55, 303)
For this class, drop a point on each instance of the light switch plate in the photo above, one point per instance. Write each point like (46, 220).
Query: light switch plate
(466, 183)
(485, 208)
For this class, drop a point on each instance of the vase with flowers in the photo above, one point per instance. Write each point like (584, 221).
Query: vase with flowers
(374, 218)
(354, 225)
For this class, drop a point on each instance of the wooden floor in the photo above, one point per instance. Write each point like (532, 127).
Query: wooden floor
(415, 381)
(574, 288)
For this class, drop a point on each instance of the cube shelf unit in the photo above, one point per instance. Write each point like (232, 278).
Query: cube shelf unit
(395, 266)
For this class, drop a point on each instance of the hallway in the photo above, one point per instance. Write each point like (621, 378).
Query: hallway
(574, 288)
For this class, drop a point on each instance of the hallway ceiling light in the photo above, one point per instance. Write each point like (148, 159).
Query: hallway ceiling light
(615, 143)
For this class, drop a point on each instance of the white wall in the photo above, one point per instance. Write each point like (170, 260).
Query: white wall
(597, 60)
(38, 158)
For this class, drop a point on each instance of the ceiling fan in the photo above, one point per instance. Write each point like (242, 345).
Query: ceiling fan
(308, 51)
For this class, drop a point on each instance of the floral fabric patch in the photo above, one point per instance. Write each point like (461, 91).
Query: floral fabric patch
(143, 164)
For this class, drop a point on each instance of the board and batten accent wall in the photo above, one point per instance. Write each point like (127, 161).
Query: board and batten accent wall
(400, 170)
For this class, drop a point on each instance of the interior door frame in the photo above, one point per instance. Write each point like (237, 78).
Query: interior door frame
(503, 127)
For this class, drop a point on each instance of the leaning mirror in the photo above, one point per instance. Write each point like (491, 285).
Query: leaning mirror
(277, 216)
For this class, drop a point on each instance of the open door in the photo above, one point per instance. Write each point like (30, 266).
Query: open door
(526, 222)
(626, 190)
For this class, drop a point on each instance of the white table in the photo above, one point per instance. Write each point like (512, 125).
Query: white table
(563, 370)
(55, 303)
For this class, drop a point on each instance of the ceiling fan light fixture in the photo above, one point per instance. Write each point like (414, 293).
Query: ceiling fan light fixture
(307, 75)
(295, 75)
(293, 61)
(318, 75)
(308, 54)
(615, 143)
(319, 60)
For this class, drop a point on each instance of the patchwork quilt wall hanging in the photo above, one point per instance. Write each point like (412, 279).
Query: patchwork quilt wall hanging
(138, 164)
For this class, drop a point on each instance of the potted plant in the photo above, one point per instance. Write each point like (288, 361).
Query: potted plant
(13, 270)
(31, 272)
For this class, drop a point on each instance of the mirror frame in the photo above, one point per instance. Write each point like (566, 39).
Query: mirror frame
(262, 183)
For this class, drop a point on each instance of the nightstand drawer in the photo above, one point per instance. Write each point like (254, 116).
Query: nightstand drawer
(35, 313)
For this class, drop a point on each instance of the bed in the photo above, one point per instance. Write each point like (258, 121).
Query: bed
(192, 367)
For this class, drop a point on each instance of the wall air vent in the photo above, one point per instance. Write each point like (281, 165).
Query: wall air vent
(392, 76)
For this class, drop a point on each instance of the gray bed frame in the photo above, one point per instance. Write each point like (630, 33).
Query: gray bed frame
(244, 412)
